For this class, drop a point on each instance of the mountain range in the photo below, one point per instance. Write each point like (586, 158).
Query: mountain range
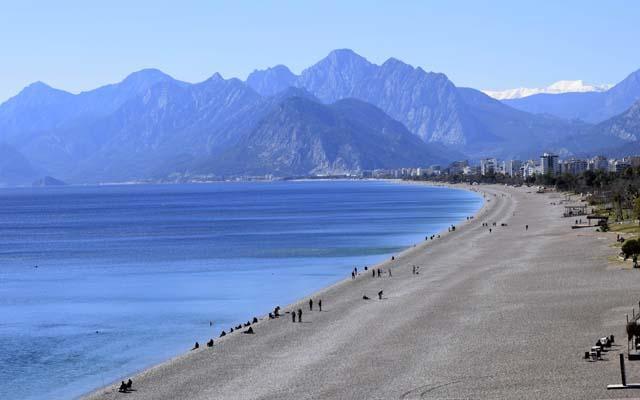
(592, 107)
(576, 86)
(341, 115)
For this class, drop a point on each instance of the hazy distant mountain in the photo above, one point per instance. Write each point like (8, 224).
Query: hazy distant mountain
(590, 107)
(47, 181)
(300, 136)
(342, 114)
(270, 81)
(164, 129)
(14, 167)
(616, 137)
(576, 86)
(432, 107)
(39, 108)
(152, 126)
(625, 126)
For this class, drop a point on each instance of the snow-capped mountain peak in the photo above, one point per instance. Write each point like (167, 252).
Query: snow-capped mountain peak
(565, 86)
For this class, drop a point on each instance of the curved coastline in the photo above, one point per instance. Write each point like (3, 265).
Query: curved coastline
(409, 251)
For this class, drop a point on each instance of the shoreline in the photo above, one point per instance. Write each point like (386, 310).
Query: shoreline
(496, 311)
(301, 303)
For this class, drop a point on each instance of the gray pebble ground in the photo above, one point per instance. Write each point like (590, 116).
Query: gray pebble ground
(501, 315)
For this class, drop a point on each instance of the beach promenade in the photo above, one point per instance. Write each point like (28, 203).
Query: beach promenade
(505, 314)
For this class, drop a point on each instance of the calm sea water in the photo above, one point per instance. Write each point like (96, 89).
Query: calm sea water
(128, 276)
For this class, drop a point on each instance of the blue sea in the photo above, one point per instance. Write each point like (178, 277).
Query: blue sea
(97, 282)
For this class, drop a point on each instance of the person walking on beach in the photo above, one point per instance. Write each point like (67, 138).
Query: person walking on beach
(293, 316)
(310, 304)
(390, 273)
(373, 273)
(320, 305)
(526, 227)
(299, 314)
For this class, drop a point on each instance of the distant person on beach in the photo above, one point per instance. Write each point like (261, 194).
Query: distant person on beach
(293, 316)
(355, 270)
(123, 387)
(379, 273)
(373, 273)
(365, 297)
(196, 346)
(210, 343)
(489, 230)
(310, 304)
(526, 227)
(299, 314)
(353, 276)
(223, 333)
(129, 384)
(380, 295)
(320, 305)
(390, 273)
(393, 258)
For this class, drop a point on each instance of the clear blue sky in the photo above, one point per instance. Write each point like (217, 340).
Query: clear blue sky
(78, 45)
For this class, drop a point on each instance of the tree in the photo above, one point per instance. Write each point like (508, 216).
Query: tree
(631, 248)
(636, 209)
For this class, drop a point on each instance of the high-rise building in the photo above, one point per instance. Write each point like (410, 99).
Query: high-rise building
(619, 165)
(573, 166)
(549, 164)
(512, 167)
(599, 163)
(457, 167)
(634, 161)
(528, 169)
(488, 166)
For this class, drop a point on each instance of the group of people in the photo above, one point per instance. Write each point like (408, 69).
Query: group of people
(126, 387)
(311, 305)
(240, 326)
(378, 272)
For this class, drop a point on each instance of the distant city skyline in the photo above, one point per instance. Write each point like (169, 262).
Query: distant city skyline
(76, 46)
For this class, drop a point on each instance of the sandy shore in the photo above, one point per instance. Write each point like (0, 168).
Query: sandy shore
(506, 314)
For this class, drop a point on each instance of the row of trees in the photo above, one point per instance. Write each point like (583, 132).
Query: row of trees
(618, 191)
